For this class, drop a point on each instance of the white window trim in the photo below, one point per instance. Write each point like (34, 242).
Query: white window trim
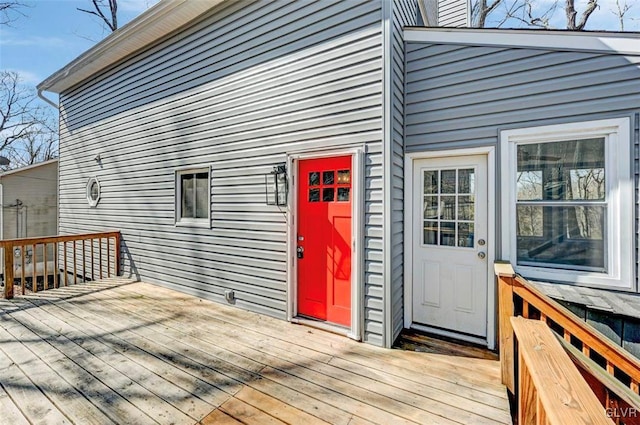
(620, 198)
(93, 202)
(191, 222)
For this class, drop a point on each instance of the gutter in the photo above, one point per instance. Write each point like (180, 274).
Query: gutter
(47, 100)
(151, 26)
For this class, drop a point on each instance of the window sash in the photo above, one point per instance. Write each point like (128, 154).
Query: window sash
(619, 196)
(563, 203)
(194, 199)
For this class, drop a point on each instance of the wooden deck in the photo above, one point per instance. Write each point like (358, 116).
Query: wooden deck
(121, 352)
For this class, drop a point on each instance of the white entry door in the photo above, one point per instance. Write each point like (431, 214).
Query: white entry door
(450, 244)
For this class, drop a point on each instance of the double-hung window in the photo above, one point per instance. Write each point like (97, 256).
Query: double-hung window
(567, 202)
(193, 197)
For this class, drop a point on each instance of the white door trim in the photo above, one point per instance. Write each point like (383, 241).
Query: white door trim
(489, 151)
(357, 235)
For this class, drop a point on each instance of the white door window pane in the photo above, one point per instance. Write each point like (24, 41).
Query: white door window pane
(466, 180)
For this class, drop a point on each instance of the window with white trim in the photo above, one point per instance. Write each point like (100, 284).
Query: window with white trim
(193, 204)
(567, 202)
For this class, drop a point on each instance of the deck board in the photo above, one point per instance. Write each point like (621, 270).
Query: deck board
(128, 352)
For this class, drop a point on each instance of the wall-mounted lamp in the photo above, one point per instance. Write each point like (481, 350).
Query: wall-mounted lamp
(276, 185)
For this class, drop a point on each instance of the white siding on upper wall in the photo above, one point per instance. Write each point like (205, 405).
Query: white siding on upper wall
(453, 13)
(234, 93)
(463, 96)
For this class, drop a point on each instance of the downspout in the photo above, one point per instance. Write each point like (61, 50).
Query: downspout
(50, 102)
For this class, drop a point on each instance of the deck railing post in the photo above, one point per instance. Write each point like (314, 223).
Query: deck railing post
(117, 253)
(505, 275)
(8, 272)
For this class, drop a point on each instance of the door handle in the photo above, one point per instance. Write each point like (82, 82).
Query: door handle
(481, 255)
(300, 252)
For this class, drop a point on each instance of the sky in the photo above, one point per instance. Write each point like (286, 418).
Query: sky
(603, 18)
(52, 33)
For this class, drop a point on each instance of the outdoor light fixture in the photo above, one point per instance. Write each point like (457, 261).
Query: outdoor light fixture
(276, 185)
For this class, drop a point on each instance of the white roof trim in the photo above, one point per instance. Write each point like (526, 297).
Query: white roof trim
(157, 22)
(620, 43)
(28, 167)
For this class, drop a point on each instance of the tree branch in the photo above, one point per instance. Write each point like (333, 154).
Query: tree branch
(591, 7)
(113, 7)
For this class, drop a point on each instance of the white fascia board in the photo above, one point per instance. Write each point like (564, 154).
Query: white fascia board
(151, 26)
(28, 167)
(615, 43)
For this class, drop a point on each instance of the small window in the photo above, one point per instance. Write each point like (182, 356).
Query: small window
(327, 194)
(314, 195)
(93, 192)
(314, 178)
(343, 194)
(193, 200)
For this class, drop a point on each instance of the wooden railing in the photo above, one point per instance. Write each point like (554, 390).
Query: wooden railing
(59, 260)
(551, 389)
(611, 372)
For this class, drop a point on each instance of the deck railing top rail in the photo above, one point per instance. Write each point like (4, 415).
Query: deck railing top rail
(553, 390)
(58, 238)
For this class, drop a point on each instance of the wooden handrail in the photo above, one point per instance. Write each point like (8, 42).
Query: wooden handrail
(551, 389)
(53, 262)
(515, 292)
(59, 238)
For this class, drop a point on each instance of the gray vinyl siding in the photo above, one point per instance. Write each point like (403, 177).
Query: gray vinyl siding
(234, 93)
(453, 13)
(405, 13)
(462, 96)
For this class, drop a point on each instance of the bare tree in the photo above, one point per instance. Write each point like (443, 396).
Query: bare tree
(528, 13)
(28, 132)
(111, 7)
(621, 11)
(531, 13)
(9, 9)
(571, 13)
(32, 150)
(480, 10)
(37, 146)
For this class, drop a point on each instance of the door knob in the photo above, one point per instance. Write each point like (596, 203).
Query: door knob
(300, 252)
(481, 255)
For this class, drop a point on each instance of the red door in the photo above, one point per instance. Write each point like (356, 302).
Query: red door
(324, 239)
